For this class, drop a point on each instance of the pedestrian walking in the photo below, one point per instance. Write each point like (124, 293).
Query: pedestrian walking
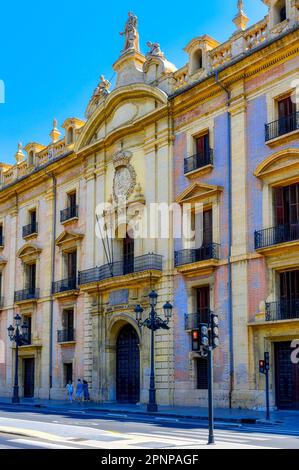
(69, 390)
(79, 391)
(85, 391)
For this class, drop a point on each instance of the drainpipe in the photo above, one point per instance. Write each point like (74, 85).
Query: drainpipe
(52, 280)
(229, 181)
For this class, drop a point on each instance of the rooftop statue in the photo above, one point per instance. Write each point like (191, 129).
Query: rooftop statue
(103, 87)
(131, 33)
(154, 49)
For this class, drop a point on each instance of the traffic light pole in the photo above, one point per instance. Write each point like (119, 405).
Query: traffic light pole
(211, 396)
(267, 395)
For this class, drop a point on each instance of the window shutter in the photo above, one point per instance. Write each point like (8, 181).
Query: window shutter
(279, 206)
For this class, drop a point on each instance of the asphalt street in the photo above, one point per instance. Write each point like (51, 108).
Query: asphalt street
(76, 428)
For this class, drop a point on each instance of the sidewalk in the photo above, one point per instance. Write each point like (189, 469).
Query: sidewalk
(221, 414)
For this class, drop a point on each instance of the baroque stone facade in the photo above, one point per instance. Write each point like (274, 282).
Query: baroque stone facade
(162, 135)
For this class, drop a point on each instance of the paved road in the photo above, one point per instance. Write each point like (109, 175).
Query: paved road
(26, 428)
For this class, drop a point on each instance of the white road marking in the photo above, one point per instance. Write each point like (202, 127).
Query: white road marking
(45, 445)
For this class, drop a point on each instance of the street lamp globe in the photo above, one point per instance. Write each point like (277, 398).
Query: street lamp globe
(167, 310)
(10, 330)
(25, 328)
(138, 311)
(153, 298)
(18, 319)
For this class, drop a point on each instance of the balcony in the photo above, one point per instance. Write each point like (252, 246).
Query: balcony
(26, 294)
(65, 335)
(30, 229)
(192, 320)
(267, 240)
(282, 310)
(281, 127)
(141, 268)
(197, 260)
(69, 213)
(65, 285)
(198, 161)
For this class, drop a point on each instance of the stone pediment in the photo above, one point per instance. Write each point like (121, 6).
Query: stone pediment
(198, 192)
(66, 239)
(122, 108)
(282, 162)
(29, 252)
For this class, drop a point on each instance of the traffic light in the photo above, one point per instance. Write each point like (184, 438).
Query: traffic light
(262, 366)
(267, 361)
(215, 330)
(204, 335)
(195, 340)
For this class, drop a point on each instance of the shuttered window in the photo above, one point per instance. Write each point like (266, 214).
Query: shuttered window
(202, 144)
(286, 205)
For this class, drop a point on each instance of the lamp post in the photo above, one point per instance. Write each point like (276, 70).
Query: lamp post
(153, 323)
(18, 334)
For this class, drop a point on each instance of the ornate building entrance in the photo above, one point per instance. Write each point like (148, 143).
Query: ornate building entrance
(287, 378)
(127, 365)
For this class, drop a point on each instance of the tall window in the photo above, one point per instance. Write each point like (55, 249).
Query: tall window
(286, 204)
(68, 319)
(203, 303)
(32, 219)
(31, 277)
(72, 199)
(128, 253)
(1, 235)
(202, 144)
(71, 264)
(286, 107)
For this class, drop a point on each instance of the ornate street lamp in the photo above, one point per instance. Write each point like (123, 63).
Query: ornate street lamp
(18, 334)
(153, 323)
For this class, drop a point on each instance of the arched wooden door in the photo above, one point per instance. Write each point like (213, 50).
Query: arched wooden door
(127, 366)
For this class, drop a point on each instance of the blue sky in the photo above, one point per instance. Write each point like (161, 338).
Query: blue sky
(52, 53)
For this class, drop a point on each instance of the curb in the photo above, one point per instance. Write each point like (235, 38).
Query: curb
(146, 413)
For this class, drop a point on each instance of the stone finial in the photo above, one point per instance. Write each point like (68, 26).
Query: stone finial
(20, 155)
(241, 19)
(55, 133)
(131, 33)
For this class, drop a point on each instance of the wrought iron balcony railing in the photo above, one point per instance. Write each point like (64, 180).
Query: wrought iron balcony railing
(64, 285)
(194, 255)
(282, 126)
(198, 161)
(65, 335)
(30, 229)
(26, 294)
(69, 213)
(275, 235)
(192, 320)
(147, 262)
(282, 310)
